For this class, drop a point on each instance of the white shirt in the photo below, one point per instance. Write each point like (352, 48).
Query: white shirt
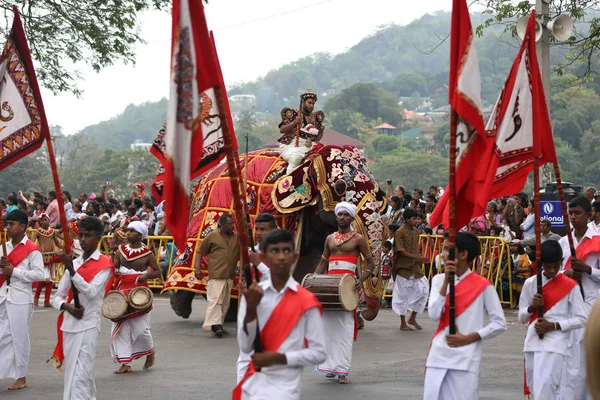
(262, 268)
(91, 296)
(591, 282)
(282, 381)
(69, 213)
(569, 312)
(31, 269)
(595, 228)
(116, 216)
(466, 358)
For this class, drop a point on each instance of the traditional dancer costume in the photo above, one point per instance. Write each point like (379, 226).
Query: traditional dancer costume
(77, 338)
(545, 359)
(341, 327)
(130, 338)
(16, 307)
(453, 372)
(50, 259)
(573, 384)
(290, 322)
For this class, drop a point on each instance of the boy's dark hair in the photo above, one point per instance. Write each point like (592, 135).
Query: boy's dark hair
(531, 254)
(422, 216)
(407, 198)
(546, 221)
(22, 203)
(421, 207)
(266, 217)
(432, 198)
(150, 206)
(276, 236)
(19, 216)
(131, 210)
(137, 202)
(551, 252)
(52, 194)
(393, 227)
(496, 229)
(581, 201)
(433, 187)
(127, 203)
(397, 200)
(92, 224)
(419, 191)
(467, 241)
(12, 199)
(387, 244)
(428, 231)
(410, 212)
(596, 206)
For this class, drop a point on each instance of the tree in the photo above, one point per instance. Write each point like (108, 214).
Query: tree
(385, 144)
(414, 169)
(406, 83)
(99, 33)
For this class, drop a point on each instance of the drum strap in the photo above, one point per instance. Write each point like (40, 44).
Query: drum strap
(278, 327)
(87, 271)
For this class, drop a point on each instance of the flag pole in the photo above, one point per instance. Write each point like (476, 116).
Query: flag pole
(61, 210)
(565, 211)
(538, 234)
(452, 221)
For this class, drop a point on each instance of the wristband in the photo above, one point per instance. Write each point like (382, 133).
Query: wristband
(555, 326)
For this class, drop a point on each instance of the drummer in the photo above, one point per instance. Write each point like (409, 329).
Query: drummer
(48, 240)
(340, 256)
(130, 338)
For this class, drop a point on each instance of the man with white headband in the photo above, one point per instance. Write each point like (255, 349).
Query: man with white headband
(130, 338)
(340, 256)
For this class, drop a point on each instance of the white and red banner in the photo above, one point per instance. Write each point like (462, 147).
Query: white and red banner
(23, 124)
(519, 126)
(193, 141)
(464, 93)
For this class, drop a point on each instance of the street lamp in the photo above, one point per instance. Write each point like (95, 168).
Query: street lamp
(561, 28)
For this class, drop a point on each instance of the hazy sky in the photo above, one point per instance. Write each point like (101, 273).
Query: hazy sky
(252, 36)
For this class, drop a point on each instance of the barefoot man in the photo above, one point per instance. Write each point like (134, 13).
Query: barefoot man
(48, 241)
(23, 266)
(130, 338)
(340, 256)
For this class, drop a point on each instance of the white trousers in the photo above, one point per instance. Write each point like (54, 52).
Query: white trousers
(14, 339)
(218, 295)
(292, 154)
(131, 339)
(409, 294)
(573, 384)
(339, 337)
(78, 367)
(544, 373)
(450, 384)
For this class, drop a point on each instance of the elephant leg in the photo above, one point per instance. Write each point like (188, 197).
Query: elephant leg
(181, 302)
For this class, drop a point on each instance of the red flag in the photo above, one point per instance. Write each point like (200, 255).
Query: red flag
(23, 124)
(193, 142)
(465, 99)
(519, 126)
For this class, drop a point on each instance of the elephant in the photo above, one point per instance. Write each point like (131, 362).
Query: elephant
(302, 202)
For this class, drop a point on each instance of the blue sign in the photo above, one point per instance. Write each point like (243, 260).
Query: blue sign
(552, 210)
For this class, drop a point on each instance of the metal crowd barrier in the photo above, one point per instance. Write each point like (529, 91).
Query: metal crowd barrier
(493, 263)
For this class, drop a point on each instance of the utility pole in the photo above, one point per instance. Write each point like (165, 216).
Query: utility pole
(542, 10)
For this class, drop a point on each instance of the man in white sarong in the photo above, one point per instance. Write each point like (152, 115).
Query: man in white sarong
(411, 287)
(294, 145)
(454, 361)
(23, 265)
(586, 269)
(561, 298)
(263, 224)
(131, 338)
(222, 250)
(91, 274)
(340, 256)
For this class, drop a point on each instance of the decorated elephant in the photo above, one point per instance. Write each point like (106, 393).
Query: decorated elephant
(302, 202)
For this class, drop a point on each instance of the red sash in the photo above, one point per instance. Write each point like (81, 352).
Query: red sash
(553, 292)
(18, 254)
(585, 248)
(88, 271)
(465, 294)
(284, 318)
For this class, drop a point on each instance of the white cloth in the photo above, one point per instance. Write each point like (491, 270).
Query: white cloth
(544, 373)
(139, 227)
(573, 384)
(450, 384)
(91, 296)
(30, 270)
(568, 312)
(281, 381)
(345, 206)
(410, 294)
(78, 367)
(131, 339)
(292, 154)
(69, 213)
(218, 295)
(466, 358)
(14, 339)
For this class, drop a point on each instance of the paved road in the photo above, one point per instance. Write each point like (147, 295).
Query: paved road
(191, 364)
